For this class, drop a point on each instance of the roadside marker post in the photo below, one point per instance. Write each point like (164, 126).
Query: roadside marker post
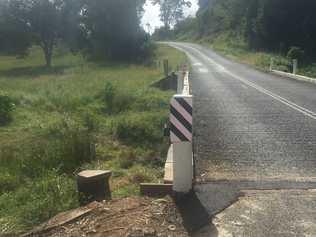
(181, 135)
(295, 63)
(271, 64)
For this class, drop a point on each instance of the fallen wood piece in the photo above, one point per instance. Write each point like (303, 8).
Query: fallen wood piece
(62, 219)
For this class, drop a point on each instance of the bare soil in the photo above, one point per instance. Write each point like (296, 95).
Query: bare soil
(130, 217)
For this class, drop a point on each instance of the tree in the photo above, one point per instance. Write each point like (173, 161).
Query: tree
(15, 37)
(171, 11)
(45, 22)
(103, 29)
(42, 19)
(111, 29)
(275, 25)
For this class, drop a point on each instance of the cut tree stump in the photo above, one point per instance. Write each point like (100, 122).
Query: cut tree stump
(93, 185)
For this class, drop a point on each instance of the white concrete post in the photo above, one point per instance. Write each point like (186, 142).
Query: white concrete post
(182, 167)
(271, 64)
(180, 83)
(295, 63)
(181, 138)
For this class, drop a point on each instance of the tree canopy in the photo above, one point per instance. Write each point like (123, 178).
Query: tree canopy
(265, 24)
(171, 11)
(100, 29)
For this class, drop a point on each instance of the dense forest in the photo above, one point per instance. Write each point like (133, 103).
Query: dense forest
(270, 25)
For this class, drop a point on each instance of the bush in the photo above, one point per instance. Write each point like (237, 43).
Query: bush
(127, 159)
(116, 101)
(36, 202)
(63, 148)
(296, 53)
(143, 129)
(146, 49)
(6, 108)
(8, 181)
(151, 99)
(108, 97)
(139, 174)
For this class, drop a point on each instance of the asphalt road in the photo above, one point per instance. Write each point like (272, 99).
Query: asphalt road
(250, 125)
(253, 132)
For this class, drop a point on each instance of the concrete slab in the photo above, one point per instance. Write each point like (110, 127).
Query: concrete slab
(282, 213)
(270, 213)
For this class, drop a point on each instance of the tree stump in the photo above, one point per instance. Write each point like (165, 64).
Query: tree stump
(93, 185)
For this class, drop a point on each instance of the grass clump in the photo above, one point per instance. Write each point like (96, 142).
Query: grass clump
(36, 201)
(141, 128)
(6, 108)
(138, 174)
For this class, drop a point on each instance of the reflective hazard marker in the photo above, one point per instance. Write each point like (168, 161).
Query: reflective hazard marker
(181, 119)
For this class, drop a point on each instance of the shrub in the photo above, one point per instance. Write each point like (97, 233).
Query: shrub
(8, 181)
(108, 96)
(146, 49)
(296, 53)
(139, 174)
(116, 101)
(151, 99)
(123, 101)
(90, 121)
(143, 129)
(36, 202)
(64, 148)
(6, 108)
(127, 159)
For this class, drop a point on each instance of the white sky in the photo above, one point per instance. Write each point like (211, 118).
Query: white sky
(151, 14)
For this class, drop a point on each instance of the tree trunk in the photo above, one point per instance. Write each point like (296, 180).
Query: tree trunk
(48, 53)
(48, 57)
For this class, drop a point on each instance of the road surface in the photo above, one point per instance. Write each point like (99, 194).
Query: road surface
(253, 131)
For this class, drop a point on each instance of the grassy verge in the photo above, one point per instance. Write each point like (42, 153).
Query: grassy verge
(77, 115)
(235, 48)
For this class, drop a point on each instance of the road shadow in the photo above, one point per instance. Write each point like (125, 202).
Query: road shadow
(217, 197)
(195, 217)
(32, 71)
(198, 208)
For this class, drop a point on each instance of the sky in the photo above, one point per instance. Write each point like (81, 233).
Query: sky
(151, 15)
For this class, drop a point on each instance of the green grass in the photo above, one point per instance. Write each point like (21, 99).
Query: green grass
(63, 122)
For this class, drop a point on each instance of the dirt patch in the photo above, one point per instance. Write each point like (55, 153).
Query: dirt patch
(130, 217)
